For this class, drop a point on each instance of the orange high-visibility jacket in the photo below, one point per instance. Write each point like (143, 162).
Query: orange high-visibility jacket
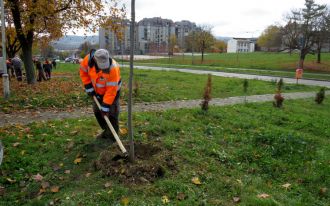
(106, 83)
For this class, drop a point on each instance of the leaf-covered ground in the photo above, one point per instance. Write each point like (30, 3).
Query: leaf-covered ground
(250, 154)
(65, 90)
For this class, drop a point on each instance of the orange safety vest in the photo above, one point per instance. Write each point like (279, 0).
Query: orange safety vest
(106, 83)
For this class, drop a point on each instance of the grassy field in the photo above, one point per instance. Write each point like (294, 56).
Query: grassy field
(254, 153)
(276, 73)
(257, 60)
(65, 89)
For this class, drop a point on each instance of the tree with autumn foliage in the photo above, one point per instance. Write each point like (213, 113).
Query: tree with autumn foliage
(50, 19)
(271, 38)
(201, 39)
(12, 44)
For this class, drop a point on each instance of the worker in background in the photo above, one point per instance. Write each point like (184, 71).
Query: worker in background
(100, 75)
(18, 66)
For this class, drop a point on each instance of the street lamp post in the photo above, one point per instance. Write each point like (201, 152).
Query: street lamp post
(5, 76)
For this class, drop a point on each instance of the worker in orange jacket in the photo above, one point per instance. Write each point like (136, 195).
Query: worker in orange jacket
(100, 75)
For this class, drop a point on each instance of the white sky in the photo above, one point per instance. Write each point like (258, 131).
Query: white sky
(233, 18)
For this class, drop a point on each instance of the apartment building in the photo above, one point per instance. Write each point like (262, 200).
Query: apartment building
(152, 36)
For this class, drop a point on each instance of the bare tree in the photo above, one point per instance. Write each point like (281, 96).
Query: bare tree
(290, 35)
(307, 19)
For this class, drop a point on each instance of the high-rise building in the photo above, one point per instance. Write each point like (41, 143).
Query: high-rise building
(152, 36)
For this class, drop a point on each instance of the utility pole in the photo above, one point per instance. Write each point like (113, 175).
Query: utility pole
(5, 76)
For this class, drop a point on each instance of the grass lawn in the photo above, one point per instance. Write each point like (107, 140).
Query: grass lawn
(257, 60)
(241, 151)
(275, 73)
(65, 89)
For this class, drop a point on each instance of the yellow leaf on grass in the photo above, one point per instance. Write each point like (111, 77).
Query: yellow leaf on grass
(55, 189)
(165, 199)
(124, 201)
(263, 196)
(78, 160)
(88, 174)
(22, 152)
(196, 181)
(123, 131)
(286, 186)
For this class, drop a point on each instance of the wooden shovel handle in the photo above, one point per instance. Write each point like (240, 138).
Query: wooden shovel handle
(113, 131)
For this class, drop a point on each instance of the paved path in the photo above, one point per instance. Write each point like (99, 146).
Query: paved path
(45, 115)
(241, 76)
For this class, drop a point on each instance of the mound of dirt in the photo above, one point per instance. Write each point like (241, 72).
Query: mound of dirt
(151, 163)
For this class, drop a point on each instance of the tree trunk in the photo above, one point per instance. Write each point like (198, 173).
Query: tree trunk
(28, 63)
(301, 60)
(319, 56)
(202, 56)
(130, 84)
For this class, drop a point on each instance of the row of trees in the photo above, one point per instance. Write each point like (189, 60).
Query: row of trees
(28, 21)
(307, 29)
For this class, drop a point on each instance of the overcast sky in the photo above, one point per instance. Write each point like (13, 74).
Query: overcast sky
(233, 18)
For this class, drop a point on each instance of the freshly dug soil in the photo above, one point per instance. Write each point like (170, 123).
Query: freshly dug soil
(151, 163)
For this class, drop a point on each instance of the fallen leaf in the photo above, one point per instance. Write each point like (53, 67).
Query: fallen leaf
(196, 181)
(323, 191)
(55, 189)
(22, 152)
(16, 144)
(108, 184)
(74, 132)
(88, 174)
(11, 181)
(67, 171)
(181, 196)
(165, 199)
(124, 201)
(42, 190)
(123, 131)
(27, 130)
(61, 164)
(78, 160)
(45, 185)
(236, 199)
(263, 196)
(38, 177)
(286, 186)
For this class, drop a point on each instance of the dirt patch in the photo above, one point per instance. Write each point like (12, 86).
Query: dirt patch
(151, 163)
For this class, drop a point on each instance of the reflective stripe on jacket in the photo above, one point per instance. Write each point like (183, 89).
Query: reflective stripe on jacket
(105, 82)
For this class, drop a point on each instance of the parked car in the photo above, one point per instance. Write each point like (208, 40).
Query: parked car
(69, 59)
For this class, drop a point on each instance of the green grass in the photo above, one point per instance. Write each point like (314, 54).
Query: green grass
(258, 60)
(275, 73)
(154, 86)
(236, 151)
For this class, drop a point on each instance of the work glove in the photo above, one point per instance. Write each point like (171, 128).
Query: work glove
(90, 90)
(105, 109)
